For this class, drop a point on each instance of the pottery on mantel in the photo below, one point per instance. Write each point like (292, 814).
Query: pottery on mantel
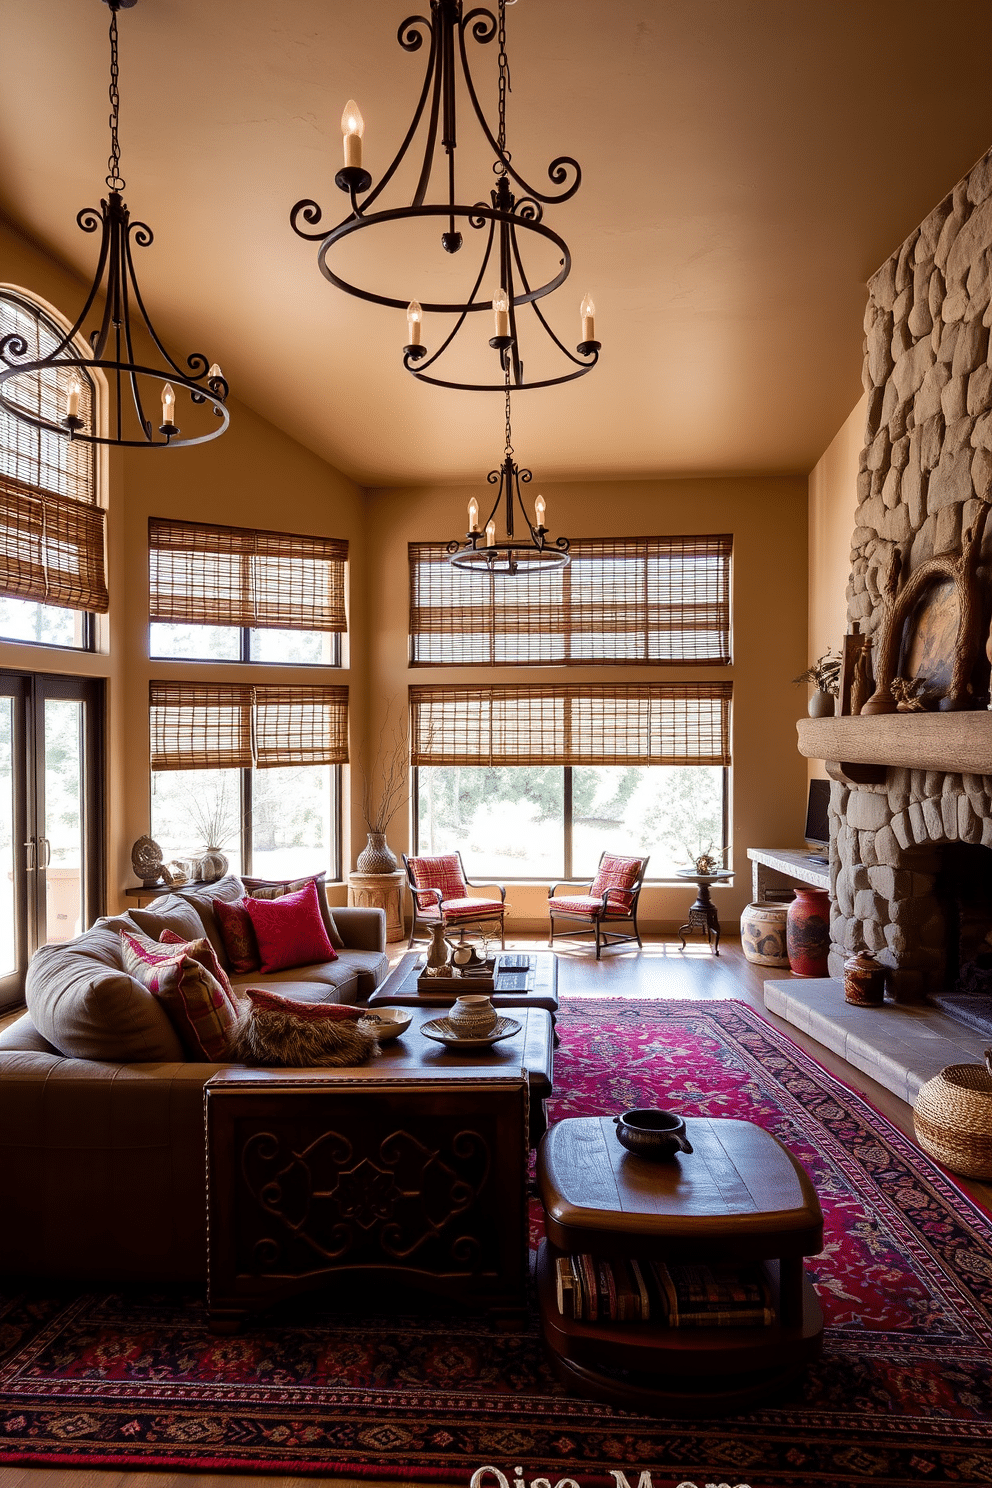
(821, 705)
(376, 856)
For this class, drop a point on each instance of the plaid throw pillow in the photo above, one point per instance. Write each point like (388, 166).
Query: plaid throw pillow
(616, 879)
(441, 873)
(202, 951)
(196, 1003)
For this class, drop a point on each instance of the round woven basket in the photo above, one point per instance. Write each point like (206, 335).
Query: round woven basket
(953, 1118)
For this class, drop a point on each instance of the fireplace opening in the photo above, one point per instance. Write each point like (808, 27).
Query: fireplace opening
(964, 890)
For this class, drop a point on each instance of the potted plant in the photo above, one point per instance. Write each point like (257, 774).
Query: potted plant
(824, 674)
(385, 788)
(216, 818)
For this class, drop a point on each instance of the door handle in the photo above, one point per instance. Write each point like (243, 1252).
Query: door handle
(31, 855)
(48, 852)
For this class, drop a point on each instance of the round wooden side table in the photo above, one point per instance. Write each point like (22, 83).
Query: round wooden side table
(380, 891)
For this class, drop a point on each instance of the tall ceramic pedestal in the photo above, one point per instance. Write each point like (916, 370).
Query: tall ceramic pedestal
(380, 891)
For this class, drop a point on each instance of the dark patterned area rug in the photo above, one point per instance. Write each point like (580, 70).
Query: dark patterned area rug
(901, 1395)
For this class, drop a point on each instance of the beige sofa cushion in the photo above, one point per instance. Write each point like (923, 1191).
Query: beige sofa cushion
(84, 1003)
(169, 913)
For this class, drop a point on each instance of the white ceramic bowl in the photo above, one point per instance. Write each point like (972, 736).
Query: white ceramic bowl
(388, 1022)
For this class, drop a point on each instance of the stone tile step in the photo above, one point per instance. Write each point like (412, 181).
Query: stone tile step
(898, 1045)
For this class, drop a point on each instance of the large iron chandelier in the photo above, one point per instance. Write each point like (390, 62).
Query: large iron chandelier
(482, 552)
(504, 224)
(113, 342)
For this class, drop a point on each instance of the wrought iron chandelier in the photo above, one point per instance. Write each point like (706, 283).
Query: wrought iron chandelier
(505, 223)
(112, 343)
(481, 552)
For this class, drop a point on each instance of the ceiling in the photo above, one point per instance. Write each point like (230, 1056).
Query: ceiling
(745, 167)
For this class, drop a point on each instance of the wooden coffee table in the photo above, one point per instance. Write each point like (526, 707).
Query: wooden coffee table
(400, 987)
(740, 1196)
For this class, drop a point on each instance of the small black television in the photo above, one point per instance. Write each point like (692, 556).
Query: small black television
(817, 831)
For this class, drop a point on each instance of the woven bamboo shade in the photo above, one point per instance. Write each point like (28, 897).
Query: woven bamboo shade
(39, 460)
(51, 549)
(658, 723)
(207, 575)
(620, 601)
(199, 726)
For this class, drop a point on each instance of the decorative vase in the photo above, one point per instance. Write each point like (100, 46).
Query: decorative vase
(864, 980)
(763, 933)
(437, 951)
(376, 856)
(807, 932)
(821, 705)
(473, 1016)
(212, 865)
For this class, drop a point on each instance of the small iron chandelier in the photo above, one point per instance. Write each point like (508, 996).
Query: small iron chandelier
(481, 552)
(506, 220)
(112, 343)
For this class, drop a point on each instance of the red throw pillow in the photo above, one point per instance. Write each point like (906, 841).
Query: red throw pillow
(201, 950)
(195, 1002)
(290, 930)
(237, 934)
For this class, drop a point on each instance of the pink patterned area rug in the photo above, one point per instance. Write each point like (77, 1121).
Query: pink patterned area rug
(903, 1393)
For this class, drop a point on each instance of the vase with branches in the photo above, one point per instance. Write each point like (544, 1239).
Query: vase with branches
(824, 675)
(385, 788)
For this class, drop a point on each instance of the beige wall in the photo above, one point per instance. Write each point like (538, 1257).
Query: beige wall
(254, 475)
(768, 518)
(833, 499)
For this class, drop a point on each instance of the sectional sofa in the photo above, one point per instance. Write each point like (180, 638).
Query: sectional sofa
(101, 1112)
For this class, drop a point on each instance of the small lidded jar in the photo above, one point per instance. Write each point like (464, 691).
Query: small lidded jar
(864, 980)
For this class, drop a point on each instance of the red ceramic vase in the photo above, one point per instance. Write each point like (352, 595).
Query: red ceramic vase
(807, 932)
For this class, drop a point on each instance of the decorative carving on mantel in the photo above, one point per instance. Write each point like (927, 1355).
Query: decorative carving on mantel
(898, 605)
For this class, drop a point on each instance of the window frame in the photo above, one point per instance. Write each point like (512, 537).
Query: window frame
(56, 325)
(568, 875)
(244, 657)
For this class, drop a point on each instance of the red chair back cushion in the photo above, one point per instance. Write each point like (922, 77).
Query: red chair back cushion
(442, 873)
(616, 878)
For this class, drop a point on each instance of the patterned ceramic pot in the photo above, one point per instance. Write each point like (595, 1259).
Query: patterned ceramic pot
(807, 932)
(376, 856)
(864, 980)
(212, 865)
(763, 933)
(473, 1017)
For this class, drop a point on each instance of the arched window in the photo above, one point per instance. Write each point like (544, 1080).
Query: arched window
(51, 526)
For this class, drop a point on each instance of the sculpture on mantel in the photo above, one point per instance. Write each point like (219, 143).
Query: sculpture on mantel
(898, 604)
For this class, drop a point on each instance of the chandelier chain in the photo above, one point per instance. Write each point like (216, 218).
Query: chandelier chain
(114, 178)
(504, 86)
(509, 436)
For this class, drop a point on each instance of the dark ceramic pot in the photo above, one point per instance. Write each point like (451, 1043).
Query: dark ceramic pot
(657, 1135)
(864, 980)
(807, 932)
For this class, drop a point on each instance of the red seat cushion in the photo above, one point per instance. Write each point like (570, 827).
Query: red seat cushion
(576, 904)
(616, 878)
(467, 909)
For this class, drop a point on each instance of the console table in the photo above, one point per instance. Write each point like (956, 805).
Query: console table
(775, 869)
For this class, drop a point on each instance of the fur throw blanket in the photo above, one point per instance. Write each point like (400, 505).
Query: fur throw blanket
(279, 1031)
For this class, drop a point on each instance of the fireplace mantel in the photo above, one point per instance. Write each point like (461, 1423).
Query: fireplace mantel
(870, 744)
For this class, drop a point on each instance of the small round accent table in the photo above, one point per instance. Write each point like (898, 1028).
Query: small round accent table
(380, 891)
(702, 913)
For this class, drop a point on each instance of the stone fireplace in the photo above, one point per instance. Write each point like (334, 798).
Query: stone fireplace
(911, 786)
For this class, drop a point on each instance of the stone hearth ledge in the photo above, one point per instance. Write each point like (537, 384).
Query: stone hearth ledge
(898, 1045)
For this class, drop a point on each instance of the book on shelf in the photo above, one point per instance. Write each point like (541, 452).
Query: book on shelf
(599, 1289)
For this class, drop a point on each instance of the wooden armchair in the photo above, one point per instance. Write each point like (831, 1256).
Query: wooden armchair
(439, 890)
(611, 899)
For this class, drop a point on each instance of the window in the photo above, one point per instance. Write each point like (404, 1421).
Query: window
(51, 529)
(627, 601)
(254, 771)
(234, 594)
(537, 781)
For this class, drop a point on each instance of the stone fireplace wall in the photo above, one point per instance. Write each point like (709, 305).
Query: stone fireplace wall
(928, 451)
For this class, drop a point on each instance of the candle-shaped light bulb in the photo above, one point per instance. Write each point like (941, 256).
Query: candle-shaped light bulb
(353, 128)
(473, 515)
(73, 394)
(588, 312)
(540, 507)
(168, 403)
(214, 372)
(491, 535)
(414, 317)
(501, 306)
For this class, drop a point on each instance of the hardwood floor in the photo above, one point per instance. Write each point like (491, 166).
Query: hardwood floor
(661, 970)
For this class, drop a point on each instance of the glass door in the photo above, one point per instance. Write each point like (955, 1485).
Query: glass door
(51, 816)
